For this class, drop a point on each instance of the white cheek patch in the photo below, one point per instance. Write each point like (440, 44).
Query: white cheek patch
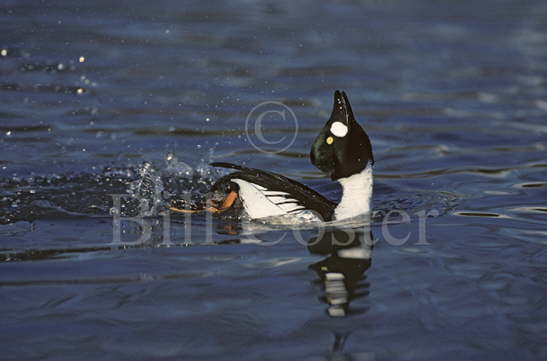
(339, 129)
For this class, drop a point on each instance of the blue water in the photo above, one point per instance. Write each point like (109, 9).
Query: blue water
(453, 96)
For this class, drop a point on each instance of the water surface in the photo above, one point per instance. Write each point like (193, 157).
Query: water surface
(452, 95)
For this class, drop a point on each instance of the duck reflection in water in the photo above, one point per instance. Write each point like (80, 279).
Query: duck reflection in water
(342, 272)
(347, 256)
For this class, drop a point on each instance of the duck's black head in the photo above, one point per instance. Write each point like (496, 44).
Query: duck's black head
(342, 148)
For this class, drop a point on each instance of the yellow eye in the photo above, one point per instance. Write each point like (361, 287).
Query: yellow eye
(330, 140)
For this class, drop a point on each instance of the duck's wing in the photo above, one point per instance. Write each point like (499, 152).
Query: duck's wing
(271, 192)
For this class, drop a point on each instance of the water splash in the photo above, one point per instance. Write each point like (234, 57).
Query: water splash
(90, 194)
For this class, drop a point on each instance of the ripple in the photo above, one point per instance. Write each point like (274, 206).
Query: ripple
(25, 128)
(91, 280)
(317, 70)
(261, 151)
(491, 172)
(530, 185)
(480, 214)
(50, 68)
(46, 88)
(529, 235)
(531, 209)
(27, 140)
(210, 132)
(44, 254)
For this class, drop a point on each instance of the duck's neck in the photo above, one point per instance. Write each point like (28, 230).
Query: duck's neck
(356, 195)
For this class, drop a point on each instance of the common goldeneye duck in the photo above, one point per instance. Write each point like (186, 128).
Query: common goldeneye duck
(342, 150)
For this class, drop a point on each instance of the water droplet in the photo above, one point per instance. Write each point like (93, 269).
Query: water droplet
(207, 119)
(8, 133)
(4, 52)
(81, 59)
(60, 66)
